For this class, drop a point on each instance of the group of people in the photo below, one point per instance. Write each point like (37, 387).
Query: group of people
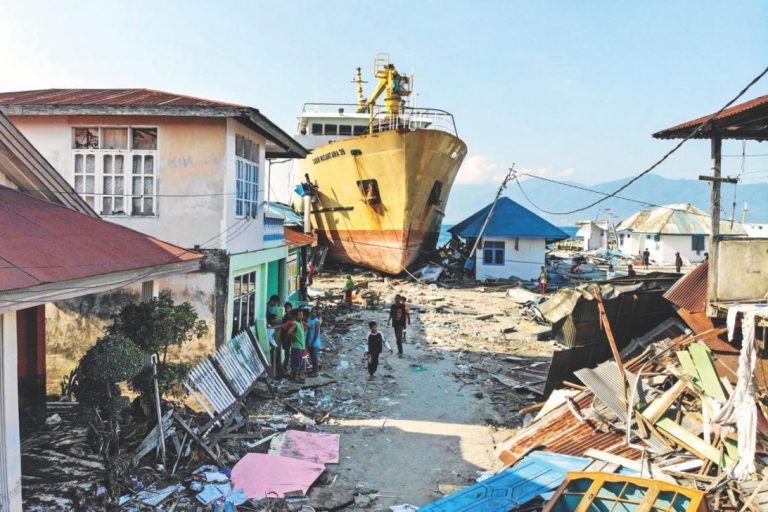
(294, 339)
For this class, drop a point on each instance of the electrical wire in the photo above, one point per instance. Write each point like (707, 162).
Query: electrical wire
(586, 189)
(659, 161)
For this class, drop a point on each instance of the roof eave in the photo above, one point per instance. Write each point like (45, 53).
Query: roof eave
(286, 146)
(11, 300)
(32, 173)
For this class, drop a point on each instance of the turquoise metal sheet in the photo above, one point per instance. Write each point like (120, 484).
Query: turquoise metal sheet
(536, 474)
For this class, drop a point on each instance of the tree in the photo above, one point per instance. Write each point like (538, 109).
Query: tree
(155, 326)
(159, 324)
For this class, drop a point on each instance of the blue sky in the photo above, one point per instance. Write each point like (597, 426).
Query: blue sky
(562, 88)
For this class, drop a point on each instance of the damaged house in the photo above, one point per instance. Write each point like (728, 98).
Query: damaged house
(53, 247)
(183, 169)
(512, 241)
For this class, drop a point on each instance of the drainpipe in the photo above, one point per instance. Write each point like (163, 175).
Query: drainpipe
(307, 205)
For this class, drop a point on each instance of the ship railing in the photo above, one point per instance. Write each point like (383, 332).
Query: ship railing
(411, 118)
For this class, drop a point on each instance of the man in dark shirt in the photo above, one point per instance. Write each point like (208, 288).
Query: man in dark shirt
(398, 317)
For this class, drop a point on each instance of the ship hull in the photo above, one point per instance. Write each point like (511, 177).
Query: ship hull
(389, 229)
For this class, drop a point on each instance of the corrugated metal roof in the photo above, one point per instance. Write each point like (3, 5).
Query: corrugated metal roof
(290, 215)
(296, 239)
(690, 291)
(509, 220)
(683, 129)
(41, 242)
(675, 219)
(107, 97)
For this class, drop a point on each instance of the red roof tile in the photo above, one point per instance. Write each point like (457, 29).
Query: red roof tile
(295, 239)
(682, 129)
(41, 242)
(106, 97)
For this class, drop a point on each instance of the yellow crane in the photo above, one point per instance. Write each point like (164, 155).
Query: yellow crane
(395, 85)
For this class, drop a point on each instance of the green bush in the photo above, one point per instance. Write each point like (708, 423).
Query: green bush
(114, 358)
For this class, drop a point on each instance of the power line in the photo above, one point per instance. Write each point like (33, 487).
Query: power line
(578, 187)
(662, 159)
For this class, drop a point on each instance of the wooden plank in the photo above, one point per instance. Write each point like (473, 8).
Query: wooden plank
(705, 368)
(686, 363)
(661, 405)
(688, 440)
(656, 472)
(197, 439)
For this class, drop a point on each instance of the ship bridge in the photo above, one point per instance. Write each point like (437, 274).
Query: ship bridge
(324, 123)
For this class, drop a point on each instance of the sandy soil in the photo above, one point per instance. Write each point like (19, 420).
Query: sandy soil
(416, 429)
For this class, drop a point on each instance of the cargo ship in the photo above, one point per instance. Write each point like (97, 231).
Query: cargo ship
(378, 177)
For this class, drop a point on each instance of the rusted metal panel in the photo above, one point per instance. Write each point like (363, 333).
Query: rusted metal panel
(690, 291)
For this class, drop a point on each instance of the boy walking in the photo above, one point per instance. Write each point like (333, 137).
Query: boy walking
(376, 344)
(399, 317)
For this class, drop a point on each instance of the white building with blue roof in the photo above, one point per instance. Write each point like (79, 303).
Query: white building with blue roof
(512, 243)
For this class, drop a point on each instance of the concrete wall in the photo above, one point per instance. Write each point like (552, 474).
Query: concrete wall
(742, 270)
(525, 262)
(192, 159)
(10, 443)
(248, 235)
(663, 251)
(74, 325)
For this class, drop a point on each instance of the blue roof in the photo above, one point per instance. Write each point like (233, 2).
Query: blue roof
(509, 220)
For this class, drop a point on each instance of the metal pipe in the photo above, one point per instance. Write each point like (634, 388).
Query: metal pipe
(159, 412)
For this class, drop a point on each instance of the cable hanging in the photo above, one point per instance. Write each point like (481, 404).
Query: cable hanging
(659, 161)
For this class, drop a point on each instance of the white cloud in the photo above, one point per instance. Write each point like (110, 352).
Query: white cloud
(479, 169)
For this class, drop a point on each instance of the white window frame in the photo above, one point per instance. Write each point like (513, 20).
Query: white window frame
(246, 190)
(244, 302)
(146, 194)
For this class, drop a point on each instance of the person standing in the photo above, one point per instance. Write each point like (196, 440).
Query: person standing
(349, 287)
(646, 258)
(543, 280)
(314, 341)
(397, 318)
(297, 336)
(376, 344)
(678, 262)
(631, 271)
(610, 273)
(285, 338)
(273, 325)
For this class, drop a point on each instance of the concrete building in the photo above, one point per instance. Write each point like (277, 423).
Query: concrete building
(593, 234)
(513, 241)
(179, 168)
(666, 230)
(53, 248)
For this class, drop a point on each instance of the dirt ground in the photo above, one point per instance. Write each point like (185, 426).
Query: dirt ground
(430, 422)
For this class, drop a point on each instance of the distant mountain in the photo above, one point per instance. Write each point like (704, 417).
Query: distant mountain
(466, 199)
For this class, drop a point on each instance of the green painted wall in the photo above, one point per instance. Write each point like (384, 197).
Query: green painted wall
(273, 278)
(259, 262)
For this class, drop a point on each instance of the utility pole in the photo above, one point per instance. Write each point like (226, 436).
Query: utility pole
(716, 179)
(469, 264)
